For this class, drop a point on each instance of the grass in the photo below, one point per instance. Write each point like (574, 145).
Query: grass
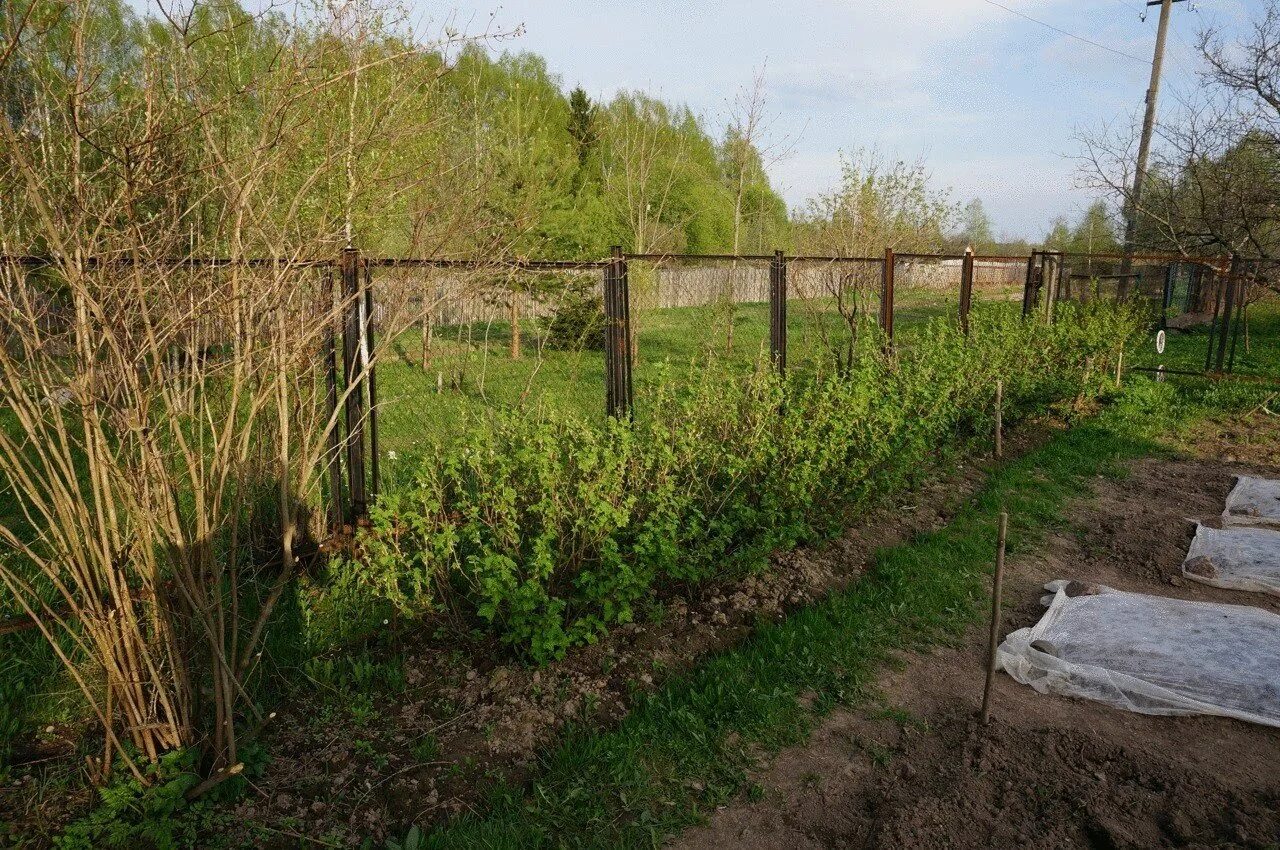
(472, 374)
(1257, 352)
(687, 748)
(35, 690)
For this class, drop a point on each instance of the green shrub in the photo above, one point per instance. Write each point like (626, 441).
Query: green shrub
(552, 528)
(578, 323)
(158, 815)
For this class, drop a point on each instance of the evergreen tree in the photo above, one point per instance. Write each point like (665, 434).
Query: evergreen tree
(582, 124)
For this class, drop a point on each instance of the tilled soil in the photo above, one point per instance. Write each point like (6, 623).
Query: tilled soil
(917, 770)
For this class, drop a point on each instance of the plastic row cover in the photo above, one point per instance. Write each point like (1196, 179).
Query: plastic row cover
(1151, 655)
(1235, 558)
(1253, 501)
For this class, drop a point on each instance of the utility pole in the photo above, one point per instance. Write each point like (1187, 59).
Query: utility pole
(1144, 146)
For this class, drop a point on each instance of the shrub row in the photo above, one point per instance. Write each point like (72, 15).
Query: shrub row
(551, 528)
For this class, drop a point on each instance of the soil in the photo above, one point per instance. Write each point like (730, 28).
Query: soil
(918, 770)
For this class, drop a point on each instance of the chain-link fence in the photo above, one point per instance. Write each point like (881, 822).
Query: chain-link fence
(421, 351)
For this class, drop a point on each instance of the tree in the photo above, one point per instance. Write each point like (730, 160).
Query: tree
(878, 204)
(1059, 236)
(582, 124)
(1096, 232)
(1215, 167)
(975, 227)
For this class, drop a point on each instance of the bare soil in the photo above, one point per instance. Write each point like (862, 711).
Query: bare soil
(917, 770)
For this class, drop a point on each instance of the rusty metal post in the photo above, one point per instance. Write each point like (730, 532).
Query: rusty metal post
(1046, 285)
(966, 289)
(778, 312)
(337, 509)
(617, 339)
(1213, 323)
(886, 296)
(371, 376)
(352, 345)
(1242, 292)
(1228, 302)
(1028, 288)
(624, 296)
(610, 385)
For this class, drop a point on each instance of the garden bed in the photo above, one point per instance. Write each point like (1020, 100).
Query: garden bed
(915, 768)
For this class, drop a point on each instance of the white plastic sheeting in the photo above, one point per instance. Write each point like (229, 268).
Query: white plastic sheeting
(1151, 655)
(1235, 558)
(1253, 501)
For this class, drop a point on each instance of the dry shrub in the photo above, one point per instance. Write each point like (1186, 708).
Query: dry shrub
(170, 430)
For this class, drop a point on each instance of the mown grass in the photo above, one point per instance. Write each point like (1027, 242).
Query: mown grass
(687, 748)
(471, 374)
(1257, 349)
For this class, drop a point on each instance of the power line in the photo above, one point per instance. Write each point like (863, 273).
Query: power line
(1065, 32)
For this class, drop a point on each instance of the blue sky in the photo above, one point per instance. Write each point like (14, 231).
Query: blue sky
(991, 101)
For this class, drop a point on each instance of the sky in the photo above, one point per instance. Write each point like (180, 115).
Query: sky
(993, 102)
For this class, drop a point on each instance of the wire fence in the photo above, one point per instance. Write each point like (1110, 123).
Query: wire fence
(421, 350)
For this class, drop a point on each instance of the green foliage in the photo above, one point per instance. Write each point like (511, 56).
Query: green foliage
(1094, 233)
(157, 814)
(578, 323)
(975, 228)
(551, 528)
(879, 203)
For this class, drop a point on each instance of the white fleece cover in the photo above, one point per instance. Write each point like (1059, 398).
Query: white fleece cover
(1151, 655)
(1253, 501)
(1241, 558)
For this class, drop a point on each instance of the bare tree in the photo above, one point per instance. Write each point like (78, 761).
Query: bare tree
(1215, 169)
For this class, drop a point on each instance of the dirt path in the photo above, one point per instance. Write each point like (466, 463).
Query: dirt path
(913, 770)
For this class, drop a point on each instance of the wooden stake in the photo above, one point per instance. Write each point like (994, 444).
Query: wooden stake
(999, 419)
(1119, 367)
(996, 582)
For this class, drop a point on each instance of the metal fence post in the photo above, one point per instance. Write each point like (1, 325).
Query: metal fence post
(966, 289)
(371, 377)
(352, 346)
(1217, 311)
(610, 349)
(337, 508)
(778, 312)
(1228, 303)
(624, 295)
(1028, 288)
(617, 336)
(886, 297)
(1242, 299)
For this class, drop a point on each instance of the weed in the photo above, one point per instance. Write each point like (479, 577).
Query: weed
(630, 786)
(426, 749)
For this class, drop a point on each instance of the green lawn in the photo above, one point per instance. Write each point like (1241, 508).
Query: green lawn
(471, 374)
(1257, 352)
